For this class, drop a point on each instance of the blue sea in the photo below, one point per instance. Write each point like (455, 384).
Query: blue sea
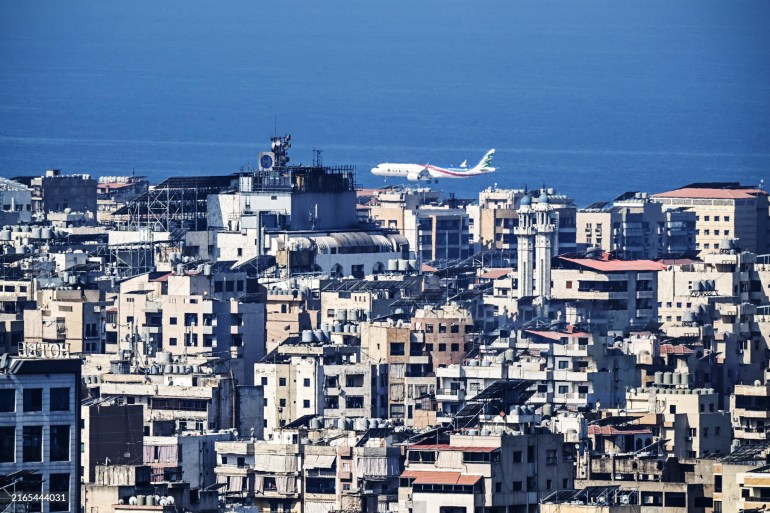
(591, 97)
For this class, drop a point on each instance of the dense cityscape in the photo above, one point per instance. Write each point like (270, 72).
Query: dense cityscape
(282, 340)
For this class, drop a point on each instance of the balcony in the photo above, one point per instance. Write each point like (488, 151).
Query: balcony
(752, 414)
(450, 395)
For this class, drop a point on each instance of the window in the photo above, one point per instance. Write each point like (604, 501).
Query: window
(518, 486)
(455, 328)
(60, 443)
(281, 382)
(672, 409)
(397, 349)
(306, 382)
(33, 399)
(517, 456)
(264, 381)
(172, 321)
(59, 484)
(60, 399)
(282, 403)
(569, 285)
(455, 347)
(442, 347)
(563, 389)
(32, 444)
(717, 483)
(7, 400)
(172, 341)
(306, 403)
(7, 444)
(499, 487)
(354, 401)
(563, 364)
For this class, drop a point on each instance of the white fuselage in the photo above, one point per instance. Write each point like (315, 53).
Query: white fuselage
(425, 171)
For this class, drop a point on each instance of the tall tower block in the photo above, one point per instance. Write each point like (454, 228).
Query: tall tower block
(525, 232)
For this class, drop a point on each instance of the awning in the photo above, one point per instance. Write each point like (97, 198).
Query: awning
(443, 478)
(319, 461)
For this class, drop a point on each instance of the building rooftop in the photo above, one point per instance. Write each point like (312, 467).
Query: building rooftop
(607, 265)
(716, 190)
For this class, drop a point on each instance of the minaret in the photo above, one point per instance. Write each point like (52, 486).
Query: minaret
(525, 232)
(544, 242)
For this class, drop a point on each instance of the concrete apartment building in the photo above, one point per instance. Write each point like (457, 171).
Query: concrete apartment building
(636, 227)
(15, 202)
(314, 468)
(132, 488)
(411, 379)
(15, 297)
(740, 479)
(180, 400)
(750, 411)
(712, 302)
(39, 426)
(724, 210)
(311, 377)
(190, 457)
(469, 472)
(496, 217)
(579, 371)
(611, 293)
(690, 422)
(210, 312)
(268, 472)
(434, 231)
(71, 317)
(55, 192)
(355, 300)
(112, 434)
(287, 314)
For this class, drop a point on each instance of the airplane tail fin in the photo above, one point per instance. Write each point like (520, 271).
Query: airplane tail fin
(485, 164)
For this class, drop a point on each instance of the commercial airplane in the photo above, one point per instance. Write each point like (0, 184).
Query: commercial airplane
(428, 172)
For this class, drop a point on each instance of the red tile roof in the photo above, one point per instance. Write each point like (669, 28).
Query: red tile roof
(494, 274)
(428, 268)
(705, 193)
(613, 430)
(437, 477)
(447, 447)
(675, 349)
(617, 265)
